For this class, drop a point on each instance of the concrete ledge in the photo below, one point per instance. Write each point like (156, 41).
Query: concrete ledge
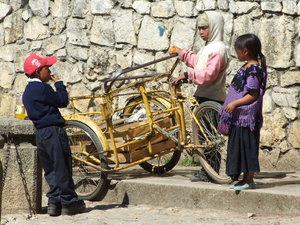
(14, 198)
(273, 196)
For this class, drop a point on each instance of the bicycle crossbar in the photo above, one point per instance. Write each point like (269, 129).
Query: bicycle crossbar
(107, 86)
(165, 111)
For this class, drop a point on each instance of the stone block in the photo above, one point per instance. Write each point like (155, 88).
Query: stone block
(142, 7)
(7, 74)
(100, 7)
(271, 6)
(273, 130)
(140, 57)
(182, 31)
(293, 134)
(163, 9)
(80, 8)
(289, 161)
(290, 113)
(60, 8)
(78, 53)
(102, 32)
(34, 29)
(4, 10)
(26, 15)
(80, 90)
(153, 35)
(203, 5)
(185, 8)
(289, 7)
(286, 97)
(1, 35)
(239, 7)
(124, 26)
(268, 104)
(39, 7)
(13, 27)
(55, 43)
(276, 35)
(290, 78)
(223, 4)
(297, 54)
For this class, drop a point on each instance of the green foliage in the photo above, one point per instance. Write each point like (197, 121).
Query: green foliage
(190, 161)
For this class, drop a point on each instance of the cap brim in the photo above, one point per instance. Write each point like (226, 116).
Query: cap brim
(51, 60)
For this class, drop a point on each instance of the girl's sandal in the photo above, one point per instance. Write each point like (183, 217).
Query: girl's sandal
(245, 187)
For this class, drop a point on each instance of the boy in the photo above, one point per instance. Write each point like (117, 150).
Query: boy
(42, 103)
(209, 66)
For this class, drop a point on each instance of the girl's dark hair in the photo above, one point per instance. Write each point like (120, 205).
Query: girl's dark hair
(252, 43)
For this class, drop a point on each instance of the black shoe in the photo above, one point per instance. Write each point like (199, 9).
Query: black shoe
(54, 209)
(200, 176)
(74, 208)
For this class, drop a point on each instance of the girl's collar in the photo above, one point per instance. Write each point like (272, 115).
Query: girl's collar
(253, 64)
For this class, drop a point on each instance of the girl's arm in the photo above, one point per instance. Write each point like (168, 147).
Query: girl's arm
(247, 99)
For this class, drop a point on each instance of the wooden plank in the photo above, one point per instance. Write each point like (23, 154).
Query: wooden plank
(156, 148)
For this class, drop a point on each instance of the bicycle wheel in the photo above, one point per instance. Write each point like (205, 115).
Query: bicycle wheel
(212, 157)
(90, 183)
(163, 163)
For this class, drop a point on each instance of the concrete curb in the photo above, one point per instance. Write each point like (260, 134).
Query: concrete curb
(273, 196)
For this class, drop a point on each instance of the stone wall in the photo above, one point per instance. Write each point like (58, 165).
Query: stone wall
(94, 39)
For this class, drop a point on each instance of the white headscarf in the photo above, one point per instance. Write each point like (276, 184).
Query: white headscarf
(216, 26)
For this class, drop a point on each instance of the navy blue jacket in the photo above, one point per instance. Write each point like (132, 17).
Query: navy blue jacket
(42, 103)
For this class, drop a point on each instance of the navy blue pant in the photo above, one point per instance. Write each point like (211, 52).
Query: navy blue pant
(55, 156)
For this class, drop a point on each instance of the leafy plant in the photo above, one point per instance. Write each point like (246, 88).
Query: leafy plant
(190, 161)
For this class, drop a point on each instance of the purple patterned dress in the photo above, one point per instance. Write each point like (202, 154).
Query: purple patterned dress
(245, 122)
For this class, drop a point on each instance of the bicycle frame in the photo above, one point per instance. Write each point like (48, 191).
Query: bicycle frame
(108, 132)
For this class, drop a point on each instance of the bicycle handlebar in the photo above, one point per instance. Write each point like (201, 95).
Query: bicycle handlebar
(109, 82)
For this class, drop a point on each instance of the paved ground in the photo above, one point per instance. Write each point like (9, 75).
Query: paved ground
(152, 200)
(110, 214)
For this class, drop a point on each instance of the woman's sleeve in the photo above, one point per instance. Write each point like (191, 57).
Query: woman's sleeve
(190, 58)
(214, 65)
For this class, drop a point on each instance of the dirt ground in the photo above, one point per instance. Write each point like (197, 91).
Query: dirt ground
(113, 214)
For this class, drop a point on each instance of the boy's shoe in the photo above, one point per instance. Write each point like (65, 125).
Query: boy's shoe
(53, 209)
(74, 208)
(244, 187)
(239, 183)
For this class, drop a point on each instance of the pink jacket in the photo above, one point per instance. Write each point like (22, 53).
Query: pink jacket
(214, 65)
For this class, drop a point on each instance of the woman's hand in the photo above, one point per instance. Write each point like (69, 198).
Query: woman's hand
(174, 49)
(175, 80)
(230, 107)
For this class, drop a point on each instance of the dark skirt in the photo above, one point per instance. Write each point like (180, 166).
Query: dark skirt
(242, 151)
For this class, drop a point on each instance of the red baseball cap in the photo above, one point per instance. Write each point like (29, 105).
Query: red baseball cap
(35, 61)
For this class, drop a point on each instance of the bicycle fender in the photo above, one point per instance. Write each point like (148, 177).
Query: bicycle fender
(91, 124)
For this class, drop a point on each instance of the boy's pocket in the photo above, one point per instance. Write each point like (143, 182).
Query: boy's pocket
(44, 134)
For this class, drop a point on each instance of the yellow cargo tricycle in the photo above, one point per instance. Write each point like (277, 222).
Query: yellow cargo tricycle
(142, 120)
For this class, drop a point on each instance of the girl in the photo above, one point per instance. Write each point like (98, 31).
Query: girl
(207, 67)
(242, 110)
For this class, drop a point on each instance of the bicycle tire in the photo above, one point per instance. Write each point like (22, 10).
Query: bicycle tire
(159, 165)
(89, 184)
(213, 158)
